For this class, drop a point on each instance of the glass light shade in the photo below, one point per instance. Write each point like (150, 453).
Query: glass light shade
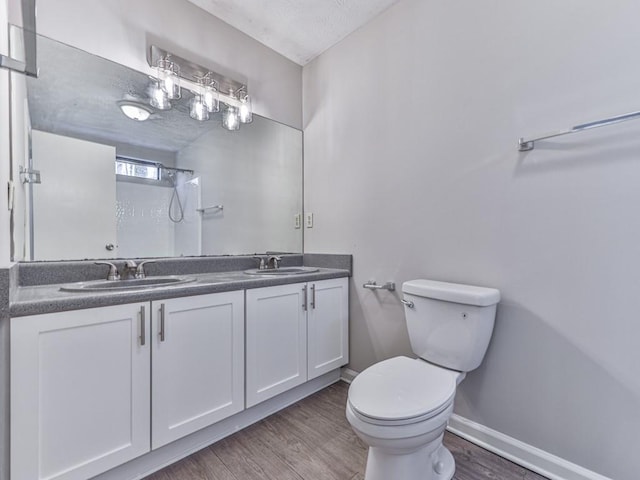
(245, 111)
(198, 109)
(134, 111)
(211, 98)
(230, 118)
(158, 97)
(169, 77)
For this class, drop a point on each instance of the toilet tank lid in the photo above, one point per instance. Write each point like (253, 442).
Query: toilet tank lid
(452, 292)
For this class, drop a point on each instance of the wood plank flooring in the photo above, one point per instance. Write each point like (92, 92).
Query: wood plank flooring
(312, 440)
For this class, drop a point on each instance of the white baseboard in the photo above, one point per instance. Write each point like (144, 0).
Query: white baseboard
(528, 456)
(347, 375)
(156, 459)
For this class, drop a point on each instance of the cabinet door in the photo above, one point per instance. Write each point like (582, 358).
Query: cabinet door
(198, 363)
(79, 392)
(276, 340)
(328, 319)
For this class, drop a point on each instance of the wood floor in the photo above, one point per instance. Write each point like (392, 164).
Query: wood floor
(312, 440)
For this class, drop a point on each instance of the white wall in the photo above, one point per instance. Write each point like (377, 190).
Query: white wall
(411, 126)
(121, 30)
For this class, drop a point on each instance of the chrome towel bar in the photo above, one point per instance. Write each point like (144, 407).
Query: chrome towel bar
(212, 207)
(524, 145)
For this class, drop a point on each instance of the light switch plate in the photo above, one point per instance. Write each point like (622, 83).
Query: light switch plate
(297, 221)
(309, 220)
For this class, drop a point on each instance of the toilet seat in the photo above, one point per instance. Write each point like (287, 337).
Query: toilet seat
(401, 391)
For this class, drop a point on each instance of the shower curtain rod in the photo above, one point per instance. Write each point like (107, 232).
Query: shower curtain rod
(524, 145)
(175, 169)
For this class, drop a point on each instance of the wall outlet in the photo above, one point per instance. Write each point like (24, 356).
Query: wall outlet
(297, 220)
(309, 220)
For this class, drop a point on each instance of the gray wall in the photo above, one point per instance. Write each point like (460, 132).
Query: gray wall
(411, 126)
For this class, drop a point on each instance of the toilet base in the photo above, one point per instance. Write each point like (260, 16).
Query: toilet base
(427, 463)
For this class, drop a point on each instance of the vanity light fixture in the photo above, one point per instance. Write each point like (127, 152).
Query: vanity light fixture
(168, 74)
(244, 110)
(158, 98)
(210, 93)
(135, 110)
(208, 87)
(231, 116)
(198, 108)
(230, 119)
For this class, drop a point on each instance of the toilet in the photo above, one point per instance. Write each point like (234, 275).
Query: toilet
(400, 407)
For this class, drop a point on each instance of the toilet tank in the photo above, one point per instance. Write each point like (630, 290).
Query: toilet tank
(450, 324)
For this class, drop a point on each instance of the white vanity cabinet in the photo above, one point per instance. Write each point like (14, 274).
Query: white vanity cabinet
(327, 326)
(93, 389)
(276, 335)
(80, 390)
(294, 333)
(84, 395)
(198, 363)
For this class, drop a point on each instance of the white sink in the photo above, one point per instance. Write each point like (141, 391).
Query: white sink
(132, 284)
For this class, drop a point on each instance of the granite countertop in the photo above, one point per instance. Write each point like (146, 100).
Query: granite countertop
(37, 299)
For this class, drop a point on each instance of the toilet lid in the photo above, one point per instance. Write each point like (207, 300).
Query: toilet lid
(401, 388)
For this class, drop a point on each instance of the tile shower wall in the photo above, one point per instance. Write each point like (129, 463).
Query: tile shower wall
(142, 220)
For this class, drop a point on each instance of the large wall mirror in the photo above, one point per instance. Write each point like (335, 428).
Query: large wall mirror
(113, 187)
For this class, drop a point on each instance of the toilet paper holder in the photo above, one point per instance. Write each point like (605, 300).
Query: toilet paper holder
(372, 285)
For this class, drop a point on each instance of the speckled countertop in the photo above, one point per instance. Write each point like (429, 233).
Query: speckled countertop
(38, 299)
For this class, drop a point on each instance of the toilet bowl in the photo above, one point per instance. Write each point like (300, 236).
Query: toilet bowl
(400, 407)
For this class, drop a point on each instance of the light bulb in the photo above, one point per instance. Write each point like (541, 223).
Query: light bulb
(230, 119)
(158, 97)
(246, 115)
(199, 109)
(211, 100)
(168, 75)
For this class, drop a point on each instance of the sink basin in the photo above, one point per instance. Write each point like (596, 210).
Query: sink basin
(123, 285)
(282, 271)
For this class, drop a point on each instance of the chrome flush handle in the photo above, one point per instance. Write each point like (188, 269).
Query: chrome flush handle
(407, 303)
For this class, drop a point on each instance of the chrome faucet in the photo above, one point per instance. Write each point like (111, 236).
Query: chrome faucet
(140, 273)
(272, 262)
(113, 270)
(262, 265)
(129, 270)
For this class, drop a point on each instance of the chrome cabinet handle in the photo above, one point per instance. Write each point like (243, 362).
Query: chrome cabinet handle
(161, 332)
(304, 301)
(313, 296)
(408, 303)
(143, 321)
(110, 246)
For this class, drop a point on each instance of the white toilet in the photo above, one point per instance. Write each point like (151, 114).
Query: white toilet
(400, 407)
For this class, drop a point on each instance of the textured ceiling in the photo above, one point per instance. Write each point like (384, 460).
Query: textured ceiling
(298, 29)
(76, 95)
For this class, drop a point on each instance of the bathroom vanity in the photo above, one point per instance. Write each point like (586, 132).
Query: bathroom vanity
(138, 379)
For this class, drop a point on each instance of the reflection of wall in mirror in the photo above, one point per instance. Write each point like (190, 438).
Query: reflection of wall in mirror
(20, 127)
(144, 227)
(73, 206)
(256, 174)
